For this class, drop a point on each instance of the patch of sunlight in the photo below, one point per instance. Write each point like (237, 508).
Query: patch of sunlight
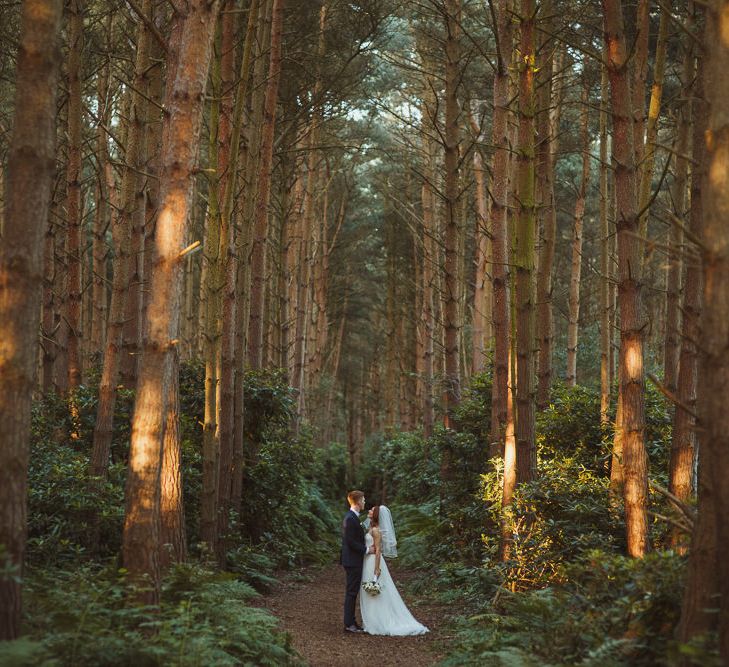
(634, 361)
(719, 170)
(724, 25)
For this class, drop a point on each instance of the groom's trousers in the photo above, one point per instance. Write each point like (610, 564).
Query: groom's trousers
(354, 579)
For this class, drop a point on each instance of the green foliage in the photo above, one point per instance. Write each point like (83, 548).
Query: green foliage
(557, 518)
(566, 595)
(73, 516)
(570, 426)
(67, 508)
(330, 471)
(610, 610)
(205, 618)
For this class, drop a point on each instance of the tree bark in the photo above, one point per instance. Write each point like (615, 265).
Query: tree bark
(548, 131)
(706, 601)
(631, 373)
(683, 444)
(576, 272)
(101, 214)
(31, 165)
(500, 240)
(260, 233)
(162, 327)
(73, 193)
(173, 539)
(122, 263)
(524, 240)
(605, 305)
(452, 393)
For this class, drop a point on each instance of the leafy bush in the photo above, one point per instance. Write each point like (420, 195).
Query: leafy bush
(610, 610)
(72, 515)
(81, 618)
(68, 509)
(330, 471)
(553, 519)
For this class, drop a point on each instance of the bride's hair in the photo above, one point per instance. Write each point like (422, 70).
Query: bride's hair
(375, 516)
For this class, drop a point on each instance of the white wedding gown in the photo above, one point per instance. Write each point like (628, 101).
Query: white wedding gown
(386, 613)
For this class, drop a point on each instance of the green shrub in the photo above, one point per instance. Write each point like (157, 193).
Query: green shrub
(554, 519)
(82, 618)
(610, 610)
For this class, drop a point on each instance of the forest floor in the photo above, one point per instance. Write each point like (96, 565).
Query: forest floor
(309, 603)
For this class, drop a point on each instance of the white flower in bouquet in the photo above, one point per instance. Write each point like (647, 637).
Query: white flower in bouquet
(373, 587)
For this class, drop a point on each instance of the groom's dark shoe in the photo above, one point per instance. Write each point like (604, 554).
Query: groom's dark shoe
(353, 628)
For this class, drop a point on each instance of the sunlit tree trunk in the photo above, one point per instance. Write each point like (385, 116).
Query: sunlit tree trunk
(162, 327)
(574, 296)
(173, 539)
(510, 472)
(30, 168)
(631, 373)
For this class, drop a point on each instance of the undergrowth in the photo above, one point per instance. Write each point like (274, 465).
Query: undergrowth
(566, 595)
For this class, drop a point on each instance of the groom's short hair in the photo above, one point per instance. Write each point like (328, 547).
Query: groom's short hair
(354, 497)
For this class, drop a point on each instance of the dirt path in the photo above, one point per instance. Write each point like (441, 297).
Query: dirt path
(311, 611)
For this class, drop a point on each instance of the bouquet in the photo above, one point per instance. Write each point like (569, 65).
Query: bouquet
(373, 587)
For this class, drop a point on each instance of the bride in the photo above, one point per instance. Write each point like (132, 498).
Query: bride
(386, 613)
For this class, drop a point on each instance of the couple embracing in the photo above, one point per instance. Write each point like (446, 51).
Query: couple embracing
(363, 558)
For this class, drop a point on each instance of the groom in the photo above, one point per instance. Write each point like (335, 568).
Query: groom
(353, 553)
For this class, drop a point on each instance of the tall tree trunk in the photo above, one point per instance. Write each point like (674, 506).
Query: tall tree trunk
(162, 327)
(73, 192)
(123, 261)
(260, 233)
(654, 110)
(706, 601)
(500, 239)
(173, 539)
(681, 466)
(453, 229)
(48, 329)
(31, 164)
(574, 297)
(550, 111)
(481, 330)
(229, 376)
(101, 214)
(605, 306)
(632, 381)
(524, 239)
(211, 260)
(675, 268)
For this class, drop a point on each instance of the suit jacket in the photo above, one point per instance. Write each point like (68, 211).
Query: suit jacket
(353, 541)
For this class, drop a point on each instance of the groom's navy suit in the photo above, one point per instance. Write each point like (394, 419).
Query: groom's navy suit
(352, 558)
